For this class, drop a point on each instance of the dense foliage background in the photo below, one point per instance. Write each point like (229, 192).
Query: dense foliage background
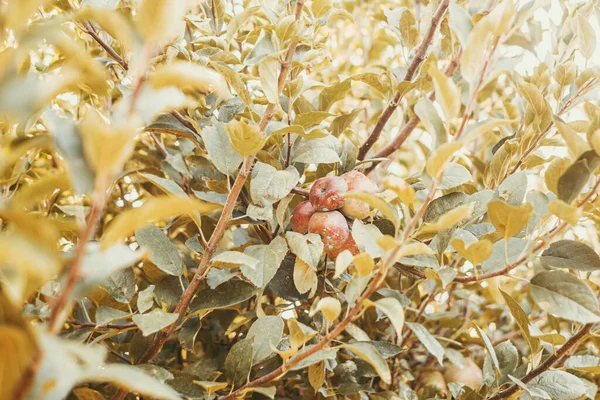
(153, 152)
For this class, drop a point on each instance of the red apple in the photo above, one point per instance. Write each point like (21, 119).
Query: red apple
(332, 227)
(301, 216)
(327, 194)
(357, 182)
(349, 245)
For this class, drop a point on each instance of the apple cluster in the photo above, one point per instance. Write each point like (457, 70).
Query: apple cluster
(327, 211)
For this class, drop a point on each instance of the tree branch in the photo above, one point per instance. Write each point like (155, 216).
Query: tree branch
(412, 123)
(223, 223)
(408, 76)
(90, 30)
(572, 343)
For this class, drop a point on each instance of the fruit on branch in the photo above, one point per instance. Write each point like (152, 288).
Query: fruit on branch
(350, 245)
(332, 227)
(327, 193)
(470, 375)
(358, 182)
(301, 217)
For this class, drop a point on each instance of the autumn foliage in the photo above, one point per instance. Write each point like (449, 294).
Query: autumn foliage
(299, 199)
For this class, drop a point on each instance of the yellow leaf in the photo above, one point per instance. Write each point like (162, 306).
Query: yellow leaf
(495, 23)
(40, 189)
(330, 307)
(586, 36)
(566, 212)
(555, 170)
(403, 190)
(186, 75)
(316, 375)
(386, 242)
(26, 266)
(268, 72)
(595, 141)
(298, 336)
(305, 278)
(161, 20)
(107, 147)
(155, 209)
(364, 264)
(576, 145)
(376, 202)
(509, 220)
(246, 139)
(448, 219)
(446, 93)
(476, 252)
(440, 157)
(412, 249)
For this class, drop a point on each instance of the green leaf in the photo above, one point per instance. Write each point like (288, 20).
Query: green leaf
(232, 259)
(238, 362)
(574, 179)
(156, 208)
(317, 151)
(105, 314)
(522, 321)
(430, 343)
(370, 354)
(220, 150)
(571, 254)
(333, 93)
(145, 299)
(446, 93)
(392, 308)
(432, 121)
(306, 247)
(225, 295)
(268, 185)
(154, 321)
(559, 385)
(266, 334)
(489, 347)
(270, 258)
(161, 251)
(564, 295)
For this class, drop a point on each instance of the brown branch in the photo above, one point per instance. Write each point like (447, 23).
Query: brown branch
(28, 377)
(74, 273)
(408, 76)
(183, 121)
(90, 30)
(572, 343)
(412, 123)
(284, 368)
(204, 266)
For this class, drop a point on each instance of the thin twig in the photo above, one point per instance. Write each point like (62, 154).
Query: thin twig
(408, 76)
